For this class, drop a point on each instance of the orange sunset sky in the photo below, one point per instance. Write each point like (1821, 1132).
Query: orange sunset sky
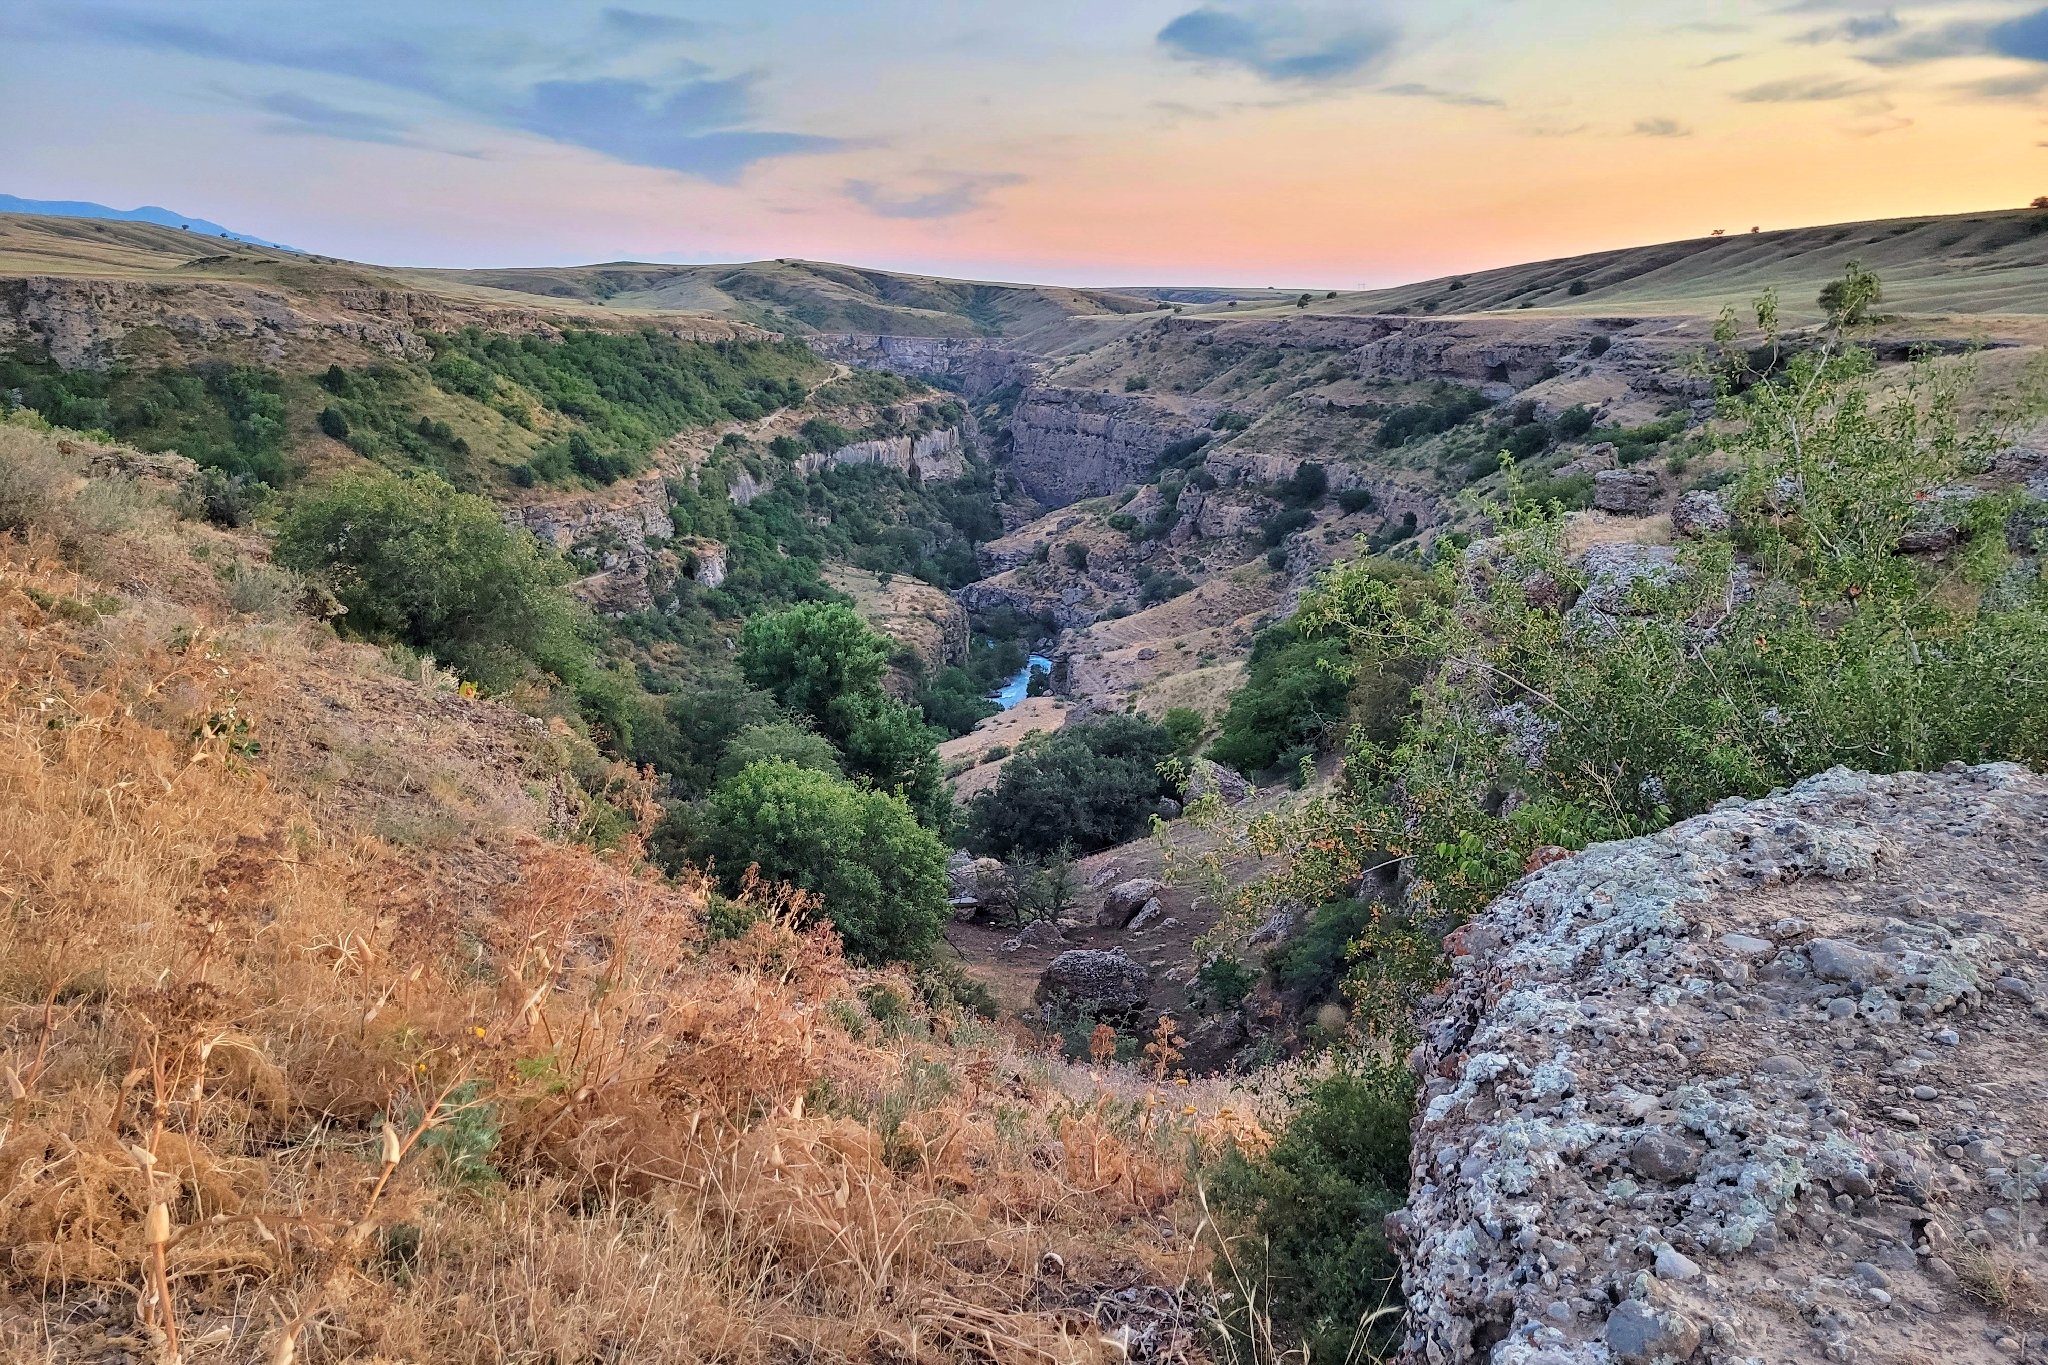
(1313, 144)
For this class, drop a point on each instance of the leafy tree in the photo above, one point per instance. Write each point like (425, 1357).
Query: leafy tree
(880, 874)
(1087, 787)
(1184, 726)
(888, 745)
(1294, 694)
(779, 741)
(812, 657)
(416, 562)
(1848, 301)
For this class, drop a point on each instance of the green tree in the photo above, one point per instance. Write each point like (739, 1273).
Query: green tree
(782, 740)
(1085, 787)
(888, 745)
(1848, 301)
(416, 562)
(880, 874)
(812, 656)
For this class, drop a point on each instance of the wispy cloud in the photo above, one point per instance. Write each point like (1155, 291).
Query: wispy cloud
(1722, 60)
(1279, 43)
(642, 26)
(1809, 90)
(1660, 127)
(2025, 37)
(1858, 28)
(295, 113)
(1457, 98)
(957, 193)
(685, 120)
(2024, 85)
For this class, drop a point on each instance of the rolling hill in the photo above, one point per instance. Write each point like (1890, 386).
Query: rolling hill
(1989, 263)
(148, 213)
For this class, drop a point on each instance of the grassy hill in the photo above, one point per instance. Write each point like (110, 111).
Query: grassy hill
(816, 296)
(786, 295)
(1991, 263)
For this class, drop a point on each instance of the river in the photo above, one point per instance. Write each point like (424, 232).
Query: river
(1013, 691)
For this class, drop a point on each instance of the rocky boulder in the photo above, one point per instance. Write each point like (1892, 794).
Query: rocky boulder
(1699, 513)
(1122, 903)
(1205, 776)
(982, 888)
(1107, 985)
(1625, 492)
(1751, 1089)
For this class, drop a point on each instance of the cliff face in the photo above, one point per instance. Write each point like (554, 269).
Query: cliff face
(1765, 1086)
(976, 366)
(1069, 444)
(87, 322)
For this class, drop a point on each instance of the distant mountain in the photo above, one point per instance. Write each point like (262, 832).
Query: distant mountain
(148, 213)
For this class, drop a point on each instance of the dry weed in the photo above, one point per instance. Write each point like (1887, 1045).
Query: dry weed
(275, 1090)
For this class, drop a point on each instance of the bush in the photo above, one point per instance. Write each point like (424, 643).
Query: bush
(1283, 524)
(1294, 694)
(1306, 487)
(1076, 555)
(1222, 983)
(1356, 499)
(1599, 345)
(779, 741)
(1576, 288)
(813, 656)
(881, 875)
(1307, 1215)
(1573, 422)
(416, 562)
(1184, 726)
(1086, 787)
(1445, 409)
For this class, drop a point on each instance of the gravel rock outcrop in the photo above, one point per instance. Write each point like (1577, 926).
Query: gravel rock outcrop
(1764, 1087)
(1105, 984)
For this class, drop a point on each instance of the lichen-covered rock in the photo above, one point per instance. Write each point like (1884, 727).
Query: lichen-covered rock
(1735, 1092)
(1104, 984)
(1205, 776)
(982, 888)
(1625, 492)
(1699, 513)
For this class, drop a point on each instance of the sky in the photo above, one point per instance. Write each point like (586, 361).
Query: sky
(1136, 142)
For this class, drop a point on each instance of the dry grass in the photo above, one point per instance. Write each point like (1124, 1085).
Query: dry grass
(1998, 1280)
(276, 1089)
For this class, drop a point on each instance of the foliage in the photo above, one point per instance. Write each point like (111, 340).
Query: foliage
(881, 876)
(1445, 408)
(1848, 301)
(1304, 1220)
(779, 741)
(1185, 726)
(1836, 649)
(227, 417)
(1355, 499)
(1294, 694)
(812, 657)
(1223, 982)
(415, 561)
(1086, 787)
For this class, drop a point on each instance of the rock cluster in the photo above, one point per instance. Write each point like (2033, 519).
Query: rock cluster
(1763, 1087)
(1625, 492)
(1107, 985)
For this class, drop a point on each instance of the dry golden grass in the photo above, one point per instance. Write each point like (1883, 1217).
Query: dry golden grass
(276, 1089)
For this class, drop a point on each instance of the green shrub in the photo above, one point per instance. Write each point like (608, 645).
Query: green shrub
(779, 740)
(1355, 499)
(1185, 726)
(1306, 1218)
(1222, 983)
(416, 562)
(1086, 787)
(882, 876)
(1285, 523)
(812, 656)
(1294, 694)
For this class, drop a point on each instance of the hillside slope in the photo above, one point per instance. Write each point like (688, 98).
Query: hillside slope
(1961, 263)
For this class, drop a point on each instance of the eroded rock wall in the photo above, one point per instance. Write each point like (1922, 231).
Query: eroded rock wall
(1069, 444)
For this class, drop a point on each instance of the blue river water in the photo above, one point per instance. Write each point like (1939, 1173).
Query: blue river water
(1013, 691)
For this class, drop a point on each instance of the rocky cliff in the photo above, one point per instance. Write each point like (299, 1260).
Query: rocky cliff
(975, 366)
(1069, 444)
(1763, 1087)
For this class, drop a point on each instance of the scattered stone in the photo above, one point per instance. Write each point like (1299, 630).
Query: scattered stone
(1206, 776)
(1675, 1265)
(1123, 902)
(1146, 916)
(1834, 960)
(1661, 1156)
(1041, 933)
(1639, 1334)
(1747, 945)
(1167, 808)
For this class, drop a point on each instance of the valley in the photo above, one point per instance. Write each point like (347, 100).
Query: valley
(1034, 759)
